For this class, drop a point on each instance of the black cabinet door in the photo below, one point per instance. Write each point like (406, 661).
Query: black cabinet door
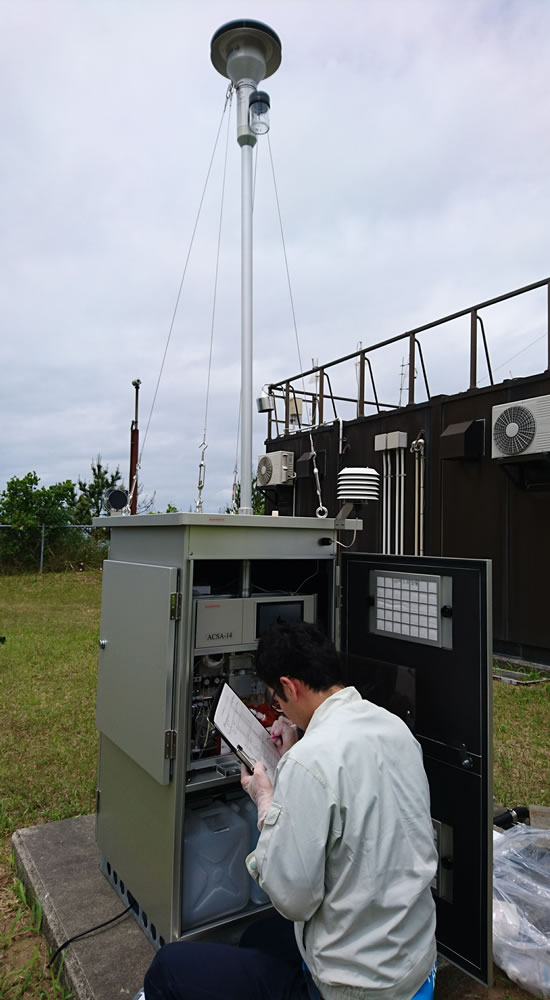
(415, 633)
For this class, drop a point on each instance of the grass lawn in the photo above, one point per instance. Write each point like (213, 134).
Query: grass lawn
(48, 744)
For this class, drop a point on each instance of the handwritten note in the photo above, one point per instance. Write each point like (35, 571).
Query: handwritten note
(240, 728)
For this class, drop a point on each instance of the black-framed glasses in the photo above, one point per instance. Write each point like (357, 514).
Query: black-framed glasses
(273, 698)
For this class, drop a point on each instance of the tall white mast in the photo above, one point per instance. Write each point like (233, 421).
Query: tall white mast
(246, 52)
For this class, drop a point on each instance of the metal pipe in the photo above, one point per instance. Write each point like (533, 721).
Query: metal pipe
(340, 423)
(377, 404)
(397, 499)
(419, 345)
(287, 408)
(402, 524)
(489, 369)
(412, 365)
(361, 396)
(389, 503)
(246, 89)
(473, 349)
(421, 503)
(331, 396)
(344, 399)
(427, 326)
(321, 406)
(384, 500)
(416, 480)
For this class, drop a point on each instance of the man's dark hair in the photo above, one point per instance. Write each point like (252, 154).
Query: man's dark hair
(299, 650)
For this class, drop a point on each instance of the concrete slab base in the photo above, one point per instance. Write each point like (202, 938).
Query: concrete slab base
(59, 865)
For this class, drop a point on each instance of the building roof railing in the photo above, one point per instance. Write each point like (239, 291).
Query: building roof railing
(286, 391)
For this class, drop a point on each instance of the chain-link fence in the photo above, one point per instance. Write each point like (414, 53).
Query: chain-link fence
(44, 547)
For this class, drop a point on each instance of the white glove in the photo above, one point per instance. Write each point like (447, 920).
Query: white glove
(284, 734)
(260, 789)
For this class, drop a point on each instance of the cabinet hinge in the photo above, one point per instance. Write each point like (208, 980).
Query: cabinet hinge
(170, 744)
(175, 607)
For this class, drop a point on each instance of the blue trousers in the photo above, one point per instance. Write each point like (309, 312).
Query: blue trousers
(266, 966)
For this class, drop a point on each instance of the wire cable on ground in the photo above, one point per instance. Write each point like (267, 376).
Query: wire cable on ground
(97, 927)
(228, 97)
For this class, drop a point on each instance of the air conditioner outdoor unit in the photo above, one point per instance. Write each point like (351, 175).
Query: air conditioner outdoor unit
(521, 428)
(275, 469)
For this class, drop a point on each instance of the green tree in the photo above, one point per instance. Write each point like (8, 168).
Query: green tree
(90, 501)
(25, 506)
(258, 500)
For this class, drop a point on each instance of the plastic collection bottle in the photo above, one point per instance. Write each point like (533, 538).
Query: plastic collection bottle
(247, 810)
(215, 880)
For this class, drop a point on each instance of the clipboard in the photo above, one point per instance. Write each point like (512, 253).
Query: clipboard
(237, 750)
(246, 736)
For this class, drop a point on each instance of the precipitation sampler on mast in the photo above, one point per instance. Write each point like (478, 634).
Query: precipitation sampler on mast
(247, 52)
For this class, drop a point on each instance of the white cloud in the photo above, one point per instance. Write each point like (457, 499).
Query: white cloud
(411, 148)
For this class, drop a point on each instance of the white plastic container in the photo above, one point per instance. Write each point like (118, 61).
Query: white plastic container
(215, 880)
(247, 810)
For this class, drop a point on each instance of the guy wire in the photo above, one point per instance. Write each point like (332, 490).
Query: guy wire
(203, 445)
(286, 258)
(228, 97)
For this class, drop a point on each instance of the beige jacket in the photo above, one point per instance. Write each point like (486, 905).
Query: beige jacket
(347, 852)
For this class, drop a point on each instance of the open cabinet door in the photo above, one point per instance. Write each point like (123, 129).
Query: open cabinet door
(136, 662)
(417, 634)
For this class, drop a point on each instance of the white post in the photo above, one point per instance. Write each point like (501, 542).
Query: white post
(246, 52)
(246, 141)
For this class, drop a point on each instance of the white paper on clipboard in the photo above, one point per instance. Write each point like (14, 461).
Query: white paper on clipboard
(240, 728)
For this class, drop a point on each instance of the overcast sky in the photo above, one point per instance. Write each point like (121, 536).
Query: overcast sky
(411, 147)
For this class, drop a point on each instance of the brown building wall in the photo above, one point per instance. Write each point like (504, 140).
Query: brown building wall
(475, 507)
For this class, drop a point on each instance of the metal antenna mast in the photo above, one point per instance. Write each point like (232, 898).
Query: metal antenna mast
(246, 52)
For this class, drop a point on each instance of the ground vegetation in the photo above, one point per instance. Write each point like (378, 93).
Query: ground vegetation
(48, 751)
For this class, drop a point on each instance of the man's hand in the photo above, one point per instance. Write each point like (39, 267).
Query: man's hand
(284, 734)
(260, 789)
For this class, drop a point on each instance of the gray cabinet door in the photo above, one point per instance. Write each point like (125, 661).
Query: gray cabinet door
(137, 662)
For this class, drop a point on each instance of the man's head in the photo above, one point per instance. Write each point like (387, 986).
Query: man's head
(300, 665)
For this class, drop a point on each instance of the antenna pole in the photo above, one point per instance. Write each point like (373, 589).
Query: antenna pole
(134, 451)
(246, 141)
(246, 52)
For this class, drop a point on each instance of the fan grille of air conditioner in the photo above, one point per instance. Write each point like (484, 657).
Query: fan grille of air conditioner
(265, 471)
(514, 430)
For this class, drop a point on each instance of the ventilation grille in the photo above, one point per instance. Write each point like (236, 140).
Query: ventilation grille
(514, 430)
(265, 471)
